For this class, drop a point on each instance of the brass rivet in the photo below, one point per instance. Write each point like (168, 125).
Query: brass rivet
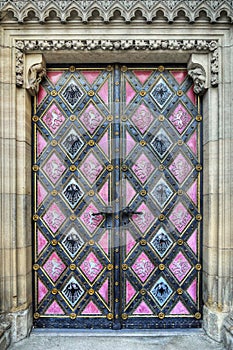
(124, 118)
(124, 267)
(116, 283)
(110, 118)
(161, 217)
(72, 69)
(180, 142)
(54, 291)
(72, 267)
(180, 291)
(116, 267)
(91, 291)
(143, 292)
(35, 217)
(198, 217)
(179, 93)
(91, 193)
(117, 167)
(54, 193)
(143, 242)
(143, 143)
(35, 168)
(72, 217)
(36, 267)
(117, 83)
(117, 250)
(124, 168)
(161, 68)
(73, 316)
(54, 143)
(54, 242)
(109, 316)
(161, 267)
(124, 69)
(180, 241)
(161, 118)
(180, 192)
(53, 93)
(161, 315)
(198, 267)
(142, 93)
(73, 167)
(116, 300)
(91, 242)
(36, 315)
(197, 315)
(116, 133)
(91, 93)
(116, 317)
(73, 117)
(124, 316)
(116, 217)
(161, 167)
(143, 193)
(91, 142)
(110, 167)
(117, 100)
(199, 167)
(199, 118)
(110, 267)
(35, 118)
(109, 68)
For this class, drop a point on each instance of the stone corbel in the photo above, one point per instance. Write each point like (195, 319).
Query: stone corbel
(197, 68)
(35, 73)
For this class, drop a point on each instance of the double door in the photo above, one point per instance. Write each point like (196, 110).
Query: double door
(117, 198)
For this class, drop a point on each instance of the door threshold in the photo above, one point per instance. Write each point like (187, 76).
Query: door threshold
(120, 333)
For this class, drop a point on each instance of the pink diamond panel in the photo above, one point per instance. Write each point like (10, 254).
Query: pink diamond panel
(144, 219)
(192, 143)
(54, 309)
(192, 192)
(41, 242)
(180, 168)
(41, 193)
(103, 92)
(143, 267)
(143, 309)
(91, 309)
(54, 76)
(142, 118)
(104, 143)
(143, 168)
(142, 75)
(180, 217)
(130, 242)
(179, 76)
(89, 220)
(103, 242)
(42, 291)
(54, 168)
(91, 76)
(103, 291)
(192, 290)
(91, 267)
(130, 192)
(192, 242)
(54, 266)
(54, 218)
(53, 118)
(191, 95)
(180, 266)
(41, 143)
(130, 93)
(103, 192)
(91, 168)
(91, 118)
(180, 118)
(130, 291)
(41, 95)
(179, 309)
(130, 143)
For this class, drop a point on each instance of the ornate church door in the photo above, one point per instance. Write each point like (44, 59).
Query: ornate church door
(117, 198)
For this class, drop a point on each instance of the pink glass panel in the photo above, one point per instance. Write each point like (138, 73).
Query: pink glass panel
(54, 168)
(54, 309)
(192, 192)
(143, 267)
(130, 291)
(54, 76)
(192, 290)
(91, 118)
(103, 143)
(180, 217)
(130, 143)
(179, 75)
(53, 118)
(91, 266)
(54, 218)
(179, 309)
(130, 192)
(42, 291)
(41, 143)
(54, 266)
(191, 95)
(103, 192)
(91, 309)
(143, 309)
(180, 168)
(41, 95)
(103, 92)
(130, 242)
(41, 193)
(143, 168)
(91, 168)
(180, 266)
(192, 242)
(192, 143)
(89, 220)
(103, 242)
(90, 76)
(41, 242)
(142, 75)
(142, 118)
(143, 220)
(103, 291)
(130, 93)
(180, 118)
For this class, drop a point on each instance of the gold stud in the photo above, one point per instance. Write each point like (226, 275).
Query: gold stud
(91, 143)
(91, 242)
(179, 93)
(91, 93)
(124, 118)
(161, 217)
(109, 68)
(143, 242)
(142, 93)
(116, 283)
(197, 315)
(198, 118)
(161, 267)
(117, 83)
(73, 167)
(53, 93)
(124, 316)
(54, 143)
(143, 292)
(72, 217)
(161, 167)
(199, 167)
(124, 69)
(110, 167)
(36, 267)
(35, 118)
(54, 192)
(161, 315)
(91, 193)
(110, 267)
(179, 291)
(73, 117)
(54, 291)
(73, 316)
(180, 142)
(72, 267)
(35, 167)
(54, 242)
(72, 69)
(110, 118)
(180, 192)
(116, 217)
(198, 217)
(143, 193)
(91, 291)
(124, 267)
(198, 267)
(124, 168)
(143, 143)
(116, 300)
(161, 68)
(35, 217)
(116, 267)
(180, 241)
(36, 315)
(161, 118)
(109, 316)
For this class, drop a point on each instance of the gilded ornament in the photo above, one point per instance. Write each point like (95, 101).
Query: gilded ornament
(162, 217)
(161, 267)
(198, 267)
(36, 267)
(161, 69)
(35, 118)
(36, 315)
(91, 291)
(54, 291)
(179, 291)
(35, 217)
(73, 167)
(91, 242)
(124, 69)
(143, 292)
(91, 193)
(73, 117)
(110, 267)
(180, 192)
(142, 93)
(110, 118)
(91, 143)
(72, 69)
(124, 316)
(161, 167)
(110, 167)
(53, 93)
(161, 315)
(124, 118)
(143, 242)
(35, 167)
(199, 167)
(54, 192)
(199, 118)
(143, 193)
(180, 142)
(180, 241)
(143, 143)
(91, 93)
(116, 217)
(72, 267)
(54, 143)
(179, 93)
(73, 316)
(109, 68)
(161, 118)
(124, 267)
(73, 217)
(197, 315)
(109, 316)
(124, 168)
(54, 242)
(198, 217)
(116, 300)
(117, 83)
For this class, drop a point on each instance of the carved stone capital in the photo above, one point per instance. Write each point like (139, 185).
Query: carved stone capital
(35, 74)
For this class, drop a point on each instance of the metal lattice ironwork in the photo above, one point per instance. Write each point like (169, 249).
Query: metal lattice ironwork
(117, 199)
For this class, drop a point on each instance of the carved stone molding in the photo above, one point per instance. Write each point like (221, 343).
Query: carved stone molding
(35, 75)
(197, 46)
(82, 10)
